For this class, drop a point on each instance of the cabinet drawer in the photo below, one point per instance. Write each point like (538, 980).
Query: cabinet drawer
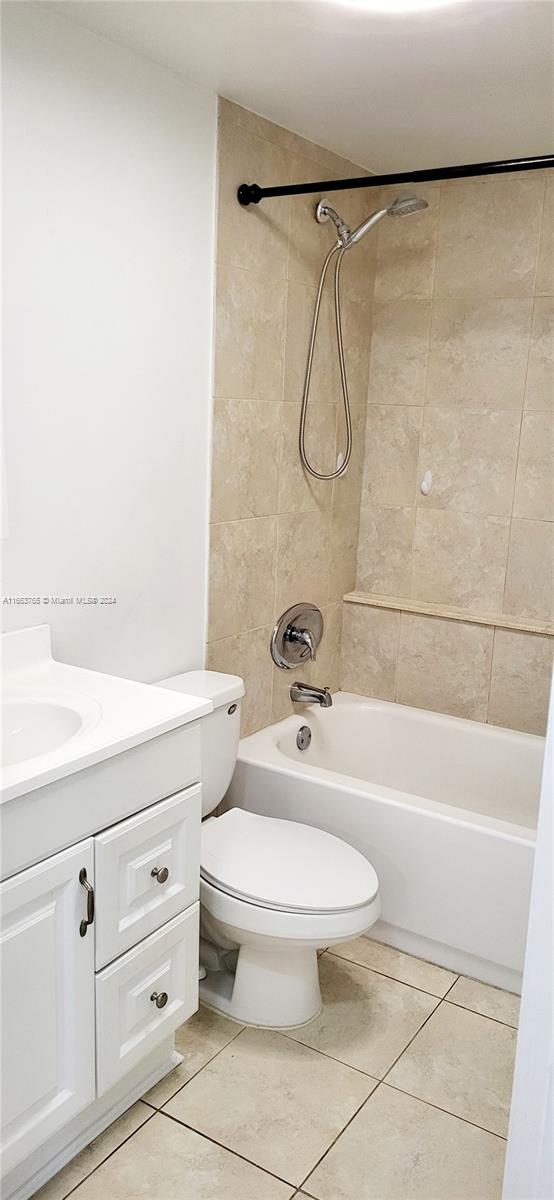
(128, 1022)
(147, 870)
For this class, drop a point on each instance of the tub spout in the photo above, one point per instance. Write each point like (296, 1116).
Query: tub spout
(307, 693)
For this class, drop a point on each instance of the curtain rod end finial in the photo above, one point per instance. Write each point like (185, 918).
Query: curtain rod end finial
(249, 193)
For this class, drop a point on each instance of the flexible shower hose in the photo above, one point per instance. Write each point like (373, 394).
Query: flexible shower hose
(339, 251)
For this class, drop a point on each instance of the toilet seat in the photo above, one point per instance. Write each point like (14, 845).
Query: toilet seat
(284, 867)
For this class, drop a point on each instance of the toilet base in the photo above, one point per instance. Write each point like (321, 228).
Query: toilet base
(272, 989)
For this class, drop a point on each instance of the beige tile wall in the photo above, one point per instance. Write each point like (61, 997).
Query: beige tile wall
(470, 670)
(461, 301)
(460, 384)
(278, 537)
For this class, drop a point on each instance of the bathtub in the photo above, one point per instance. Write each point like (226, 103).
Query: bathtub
(444, 808)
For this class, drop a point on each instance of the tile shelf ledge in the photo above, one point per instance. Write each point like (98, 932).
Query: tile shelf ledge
(405, 604)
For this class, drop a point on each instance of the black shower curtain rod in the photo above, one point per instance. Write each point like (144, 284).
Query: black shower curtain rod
(251, 193)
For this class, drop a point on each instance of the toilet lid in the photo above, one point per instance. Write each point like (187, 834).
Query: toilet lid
(284, 865)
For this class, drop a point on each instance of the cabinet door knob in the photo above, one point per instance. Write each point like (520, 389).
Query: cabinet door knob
(160, 873)
(159, 998)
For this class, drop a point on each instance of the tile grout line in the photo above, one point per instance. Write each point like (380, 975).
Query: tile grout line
(382, 1081)
(339, 1135)
(329, 1057)
(485, 1016)
(447, 1111)
(533, 299)
(207, 1137)
(195, 1073)
(110, 1155)
(491, 667)
(412, 1039)
(440, 1000)
(395, 978)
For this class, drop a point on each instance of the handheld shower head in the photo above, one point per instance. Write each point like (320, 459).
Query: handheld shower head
(403, 206)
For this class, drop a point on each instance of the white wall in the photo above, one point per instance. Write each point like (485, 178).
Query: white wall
(109, 202)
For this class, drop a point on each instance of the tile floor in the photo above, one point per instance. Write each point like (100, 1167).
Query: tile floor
(399, 1090)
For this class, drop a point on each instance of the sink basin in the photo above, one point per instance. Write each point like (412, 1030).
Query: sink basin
(59, 719)
(31, 727)
(83, 750)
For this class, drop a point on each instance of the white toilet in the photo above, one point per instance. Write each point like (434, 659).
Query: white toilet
(272, 892)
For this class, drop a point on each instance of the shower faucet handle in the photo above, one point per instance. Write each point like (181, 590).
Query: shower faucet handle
(296, 636)
(305, 637)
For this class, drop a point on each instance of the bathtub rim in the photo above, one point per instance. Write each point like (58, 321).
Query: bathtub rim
(261, 749)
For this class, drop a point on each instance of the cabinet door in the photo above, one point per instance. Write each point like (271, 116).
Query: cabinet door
(47, 1001)
(147, 871)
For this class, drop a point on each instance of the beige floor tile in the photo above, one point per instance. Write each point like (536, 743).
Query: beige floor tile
(197, 1040)
(165, 1161)
(488, 1001)
(399, 1148)
(91, 1157)
(388, 961)
(367, 1019)
(272, 1100)
(463, 1063)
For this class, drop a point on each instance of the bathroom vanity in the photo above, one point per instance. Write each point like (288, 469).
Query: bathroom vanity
(101, 810)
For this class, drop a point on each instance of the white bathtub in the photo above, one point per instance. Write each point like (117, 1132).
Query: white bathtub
(444, 808)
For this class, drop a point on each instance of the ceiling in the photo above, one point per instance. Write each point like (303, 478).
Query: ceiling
(466, 82)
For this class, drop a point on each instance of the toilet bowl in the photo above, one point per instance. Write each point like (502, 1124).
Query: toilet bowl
(272, 892)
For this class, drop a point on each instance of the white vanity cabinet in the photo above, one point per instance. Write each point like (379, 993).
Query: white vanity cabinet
(99, 964)
(48, 1046)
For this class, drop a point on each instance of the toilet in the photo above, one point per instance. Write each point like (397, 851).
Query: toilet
(272, 892)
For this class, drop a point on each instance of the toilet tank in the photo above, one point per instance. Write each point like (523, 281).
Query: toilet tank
(220, 730)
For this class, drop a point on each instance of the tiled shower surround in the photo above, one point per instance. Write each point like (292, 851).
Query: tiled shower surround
(277, 537)
(456, 379)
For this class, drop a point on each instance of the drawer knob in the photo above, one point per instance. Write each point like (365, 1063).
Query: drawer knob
(159, 998)
(161, 874)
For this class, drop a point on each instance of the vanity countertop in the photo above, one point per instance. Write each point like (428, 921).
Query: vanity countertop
(59, 719)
